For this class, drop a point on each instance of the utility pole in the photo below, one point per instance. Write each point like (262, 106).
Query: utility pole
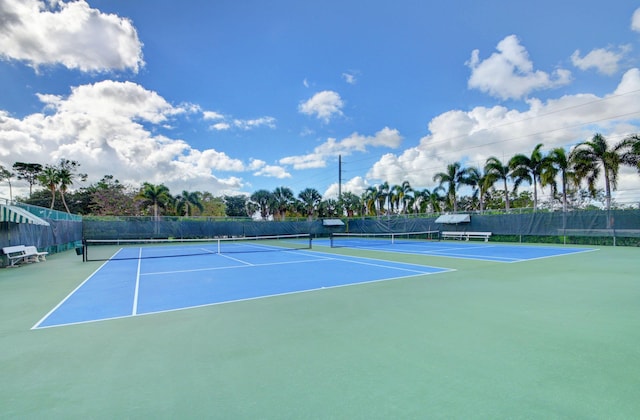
(339, 176)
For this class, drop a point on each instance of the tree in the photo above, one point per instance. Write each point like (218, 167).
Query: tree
(595, 157)
(154, 196)
(49, 178)
(186, 201)
(283, 199)
(498, 172)
(67, 173)
(28, 172)
(310, 198)
(351, 203)
(481, 183)
(110, 197)
(400, 194)
(528, 169)
(6, 174)
(382, 196)
(558, 162)
(370, 201)
(453, 177)
(264, 202)
(235, 205)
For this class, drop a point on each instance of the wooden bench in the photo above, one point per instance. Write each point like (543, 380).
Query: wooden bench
(466, 235)
(23, 254)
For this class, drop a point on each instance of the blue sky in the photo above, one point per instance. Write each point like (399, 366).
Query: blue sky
(234, 96)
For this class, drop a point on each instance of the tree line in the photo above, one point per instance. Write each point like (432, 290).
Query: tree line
(572, 177)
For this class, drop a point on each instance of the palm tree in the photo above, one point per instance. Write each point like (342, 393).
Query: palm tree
(498, 172)
(186, 201)
(401, 194)
(428, 200)
(156, 196)
(283, 199)
(48, 177)
(370, 200)
(66, 175)
(264, 200)
(528, 169)
(481, 182)
(7, 174)
(310, 198)
(382, 196)
(632, 155)
(558, 162)
(595, 157)
(453, 177)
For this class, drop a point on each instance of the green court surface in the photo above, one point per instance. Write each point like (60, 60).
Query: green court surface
(550, 338)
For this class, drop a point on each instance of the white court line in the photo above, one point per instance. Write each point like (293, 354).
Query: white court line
(135, 293)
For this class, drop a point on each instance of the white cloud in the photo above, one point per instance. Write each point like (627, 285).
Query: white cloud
(356, 185)
(241, 124)
(212, 115)
(471, 137)
(101, 126)
(324, 105)
(635, 20)
(349, 77)
(509, 73)
(71, 34)
(386, 137)
(603, 60)
(273, 172)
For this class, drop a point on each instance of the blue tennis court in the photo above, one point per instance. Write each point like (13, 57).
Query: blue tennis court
(134, 286)
(486, 251)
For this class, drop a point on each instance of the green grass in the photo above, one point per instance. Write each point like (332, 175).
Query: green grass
(550, 338)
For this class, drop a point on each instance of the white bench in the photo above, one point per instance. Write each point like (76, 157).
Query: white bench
(23, 254)
(466, 235)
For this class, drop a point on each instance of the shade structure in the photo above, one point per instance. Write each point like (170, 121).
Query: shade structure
(16, 214)
(452, 219)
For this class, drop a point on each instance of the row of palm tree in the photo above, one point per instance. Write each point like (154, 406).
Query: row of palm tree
(561, 170)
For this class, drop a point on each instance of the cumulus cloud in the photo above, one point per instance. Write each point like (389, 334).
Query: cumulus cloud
(109, 128)
(356, 185)
(386, 137)
(509, 73)
(635, 20)
(71, 34)
(602, 60)
(472, 136)
(324, 105)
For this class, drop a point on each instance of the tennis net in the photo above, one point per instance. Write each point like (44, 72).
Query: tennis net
(365, 240)
(128, 249)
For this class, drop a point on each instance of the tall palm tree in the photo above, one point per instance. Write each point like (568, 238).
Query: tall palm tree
(595, 157)
(481, 183)
(382, 195)
(186, 201)
(264, 201)
(453, 177)
(494, 168)
(558, 163)
(528, 169)
(283, 199)
(6, 174)
(156, 196)
(402, 194)
(310, 198)
(370, 201)
(48, 177)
